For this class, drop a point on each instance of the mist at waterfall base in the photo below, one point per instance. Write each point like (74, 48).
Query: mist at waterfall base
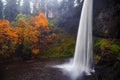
(81, 64)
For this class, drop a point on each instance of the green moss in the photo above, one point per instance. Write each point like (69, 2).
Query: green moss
(101, 42)
(107, 46)
(115, 48)
(97, 57)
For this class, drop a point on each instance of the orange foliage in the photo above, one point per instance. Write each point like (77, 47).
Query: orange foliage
(8, 37)
(20, 34)
(33, 33)
(22, 23)
(35, 51)
(27, 33)
(7, 34)
(40, 21)
(4, 23)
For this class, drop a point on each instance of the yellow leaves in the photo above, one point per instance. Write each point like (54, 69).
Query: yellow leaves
(7, 34)
(104, 44)
(19, 31)
(34, 32)
(4, 23)
(22, 23)
(51, 37)
(12, 34)
(29, 34)
(35, 51)
(40, 21)
(26, 32)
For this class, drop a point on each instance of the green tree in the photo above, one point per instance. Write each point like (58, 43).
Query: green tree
(68, 16)
(1, 8)
(19, 5)
(26, 7)
(11, 10)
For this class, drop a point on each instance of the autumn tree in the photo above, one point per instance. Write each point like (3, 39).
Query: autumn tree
(8, 38)
(27, 37)
(40, 21)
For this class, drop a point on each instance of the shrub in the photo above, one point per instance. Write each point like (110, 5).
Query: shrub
(63, 46)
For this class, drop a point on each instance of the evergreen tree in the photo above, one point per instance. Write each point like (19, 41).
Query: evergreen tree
(19, 7)
(69, 15)
(11, 10)
(1, 9)
(36, 7)
(26, 7)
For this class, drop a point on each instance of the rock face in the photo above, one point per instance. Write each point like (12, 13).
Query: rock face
(107, 18)
(108, 68)
(107, 25)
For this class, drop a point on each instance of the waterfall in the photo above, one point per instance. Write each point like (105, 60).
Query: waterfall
(82, 62)
(83, 51)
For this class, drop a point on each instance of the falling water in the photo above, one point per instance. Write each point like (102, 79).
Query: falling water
(82, 62)
(83, 50)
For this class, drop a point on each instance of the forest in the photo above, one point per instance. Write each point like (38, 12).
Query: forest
(42, 32)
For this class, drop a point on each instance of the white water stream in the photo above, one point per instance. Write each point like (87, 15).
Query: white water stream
(83, 58)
